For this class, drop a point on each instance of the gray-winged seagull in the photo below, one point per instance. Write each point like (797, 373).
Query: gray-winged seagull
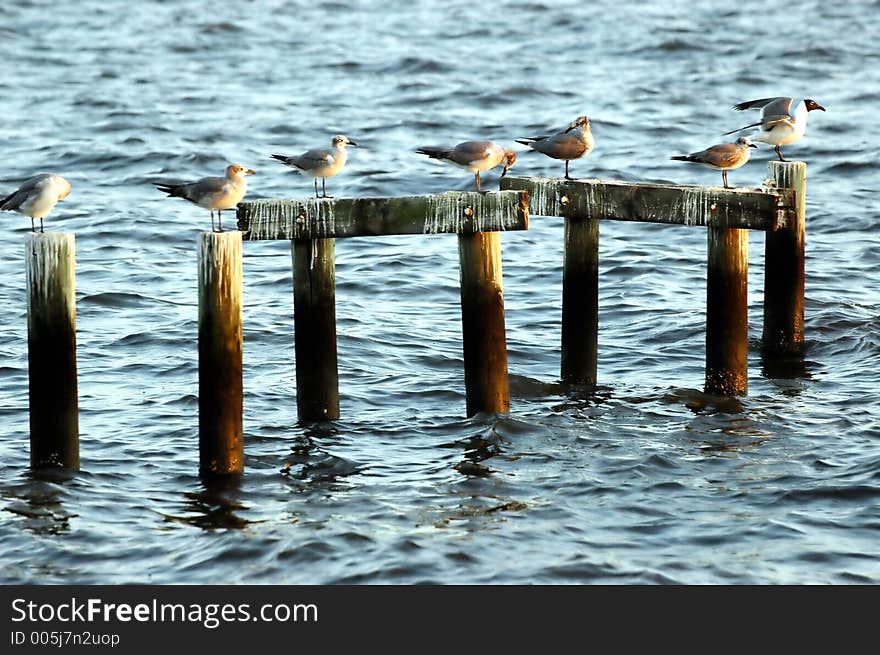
(213, 192)
(473, 156)
(320, 162)
(723, 157)
(575, 142)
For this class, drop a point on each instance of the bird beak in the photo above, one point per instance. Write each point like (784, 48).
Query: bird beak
(504, 171)
(351, 143)
(818, 106)
(752, 145)
(250, 171)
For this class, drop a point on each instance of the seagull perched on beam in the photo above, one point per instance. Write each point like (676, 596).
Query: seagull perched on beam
(723, 157)
(783, 120)
(320, 162)
(575, 142)
(473, 156)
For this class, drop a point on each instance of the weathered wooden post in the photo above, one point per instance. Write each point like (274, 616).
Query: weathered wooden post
(580, 301)
(221, 442)
(314, 316)
(482, 319)
(727, 325)
(784, 267)
(51, 302)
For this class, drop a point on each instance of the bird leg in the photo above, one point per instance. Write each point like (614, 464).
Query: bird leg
(779, 152)
(41, 224)
(212, 221)
(724, 177)
(220, 220)
(324, 187)
(477, 180)
(566, 170)
(33, 229)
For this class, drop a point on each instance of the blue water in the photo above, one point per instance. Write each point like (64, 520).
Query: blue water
(644, 481)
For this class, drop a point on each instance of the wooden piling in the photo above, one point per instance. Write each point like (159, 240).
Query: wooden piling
(221, 442)
(314, 315)
(51, 303)
(580, 301)
(784, 267)
(482, 317)
(727, 326)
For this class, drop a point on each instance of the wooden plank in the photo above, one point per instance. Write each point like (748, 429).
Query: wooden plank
(750, 208)
(447, 213)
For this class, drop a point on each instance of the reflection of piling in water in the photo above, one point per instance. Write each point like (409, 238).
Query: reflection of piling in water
(221, 445)
(727, 214)
(51, 302)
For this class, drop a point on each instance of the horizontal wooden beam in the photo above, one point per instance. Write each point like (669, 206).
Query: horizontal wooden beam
(750, 208)
(446, 213)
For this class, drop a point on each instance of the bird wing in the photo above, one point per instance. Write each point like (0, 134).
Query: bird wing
(313, 159)
(561, 146)
(205, 188)
(27, 189)
(720, 156)
(754, 104)
(471, 153)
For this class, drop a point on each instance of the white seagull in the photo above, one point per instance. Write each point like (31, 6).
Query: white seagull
(213, 192)
(319, 162)
(36, 197)
(575, 142)
(723, 157)
(783, 120)
(473, 156)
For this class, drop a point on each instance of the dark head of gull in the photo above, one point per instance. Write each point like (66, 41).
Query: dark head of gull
(509, 161)
(580, 121)
(812, 104)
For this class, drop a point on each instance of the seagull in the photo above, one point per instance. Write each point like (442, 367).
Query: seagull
(473, 156)
(723, 157)
(575, 142)
(37, 196)
(319, 162)
(213, 192)
(783, 120)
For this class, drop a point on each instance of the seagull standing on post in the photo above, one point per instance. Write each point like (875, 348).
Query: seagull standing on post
(575, 142)
(319, 162)
(213, 192)
(783, 120)
(723, 157)
(36, 197)
(473, 156)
